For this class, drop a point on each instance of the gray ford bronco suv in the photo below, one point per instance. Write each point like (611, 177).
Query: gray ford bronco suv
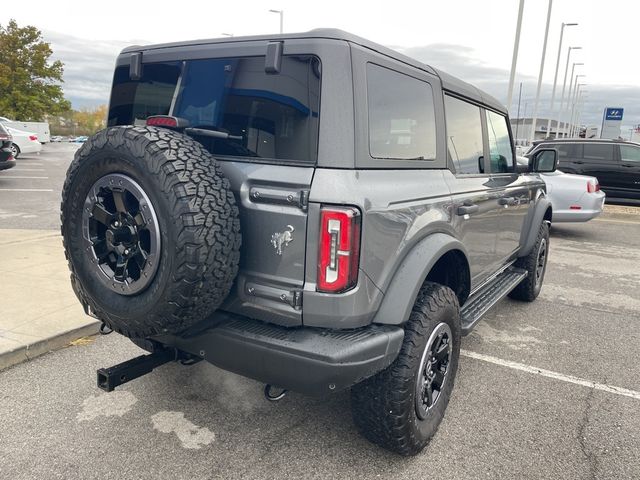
(313, 211)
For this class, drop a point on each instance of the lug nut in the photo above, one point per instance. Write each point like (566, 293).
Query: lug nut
(126, 251)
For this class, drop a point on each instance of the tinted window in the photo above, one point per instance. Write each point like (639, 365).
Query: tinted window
(598, 152)
(629, 153)
(266, 116)
(132, 102)
(499, 143)
(567, 151)
(464, 135)
(401, 116)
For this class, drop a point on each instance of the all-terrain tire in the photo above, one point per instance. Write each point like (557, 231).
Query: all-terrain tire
(529, 289)
(384, 406)
(199, 229)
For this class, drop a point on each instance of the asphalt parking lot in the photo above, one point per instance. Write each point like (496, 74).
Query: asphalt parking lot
(30, 191)
(545, 390)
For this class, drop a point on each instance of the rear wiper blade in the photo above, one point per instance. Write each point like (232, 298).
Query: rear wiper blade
(211, 133)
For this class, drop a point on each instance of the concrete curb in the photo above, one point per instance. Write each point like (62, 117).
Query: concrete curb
(57, 341)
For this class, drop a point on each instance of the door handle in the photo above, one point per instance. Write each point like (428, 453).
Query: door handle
(627, 166)
(467, 209)
(506, 201)
(578, 162)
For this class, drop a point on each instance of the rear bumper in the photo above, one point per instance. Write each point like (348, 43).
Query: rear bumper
(567, 216)
(308, 360)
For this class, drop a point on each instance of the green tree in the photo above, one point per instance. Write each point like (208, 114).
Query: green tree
(29, 83)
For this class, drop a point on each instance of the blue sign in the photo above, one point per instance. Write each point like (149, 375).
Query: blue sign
(613, 113)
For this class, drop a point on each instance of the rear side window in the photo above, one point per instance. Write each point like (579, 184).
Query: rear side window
(401, 116)
(568, 151)
(499, 143)
(598, 152)
(629, 153)
(267, 116)
(464, 135)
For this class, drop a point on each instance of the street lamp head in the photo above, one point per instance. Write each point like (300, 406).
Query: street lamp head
(578, 63)
(575, 48)
(570, 24)
(275, 11)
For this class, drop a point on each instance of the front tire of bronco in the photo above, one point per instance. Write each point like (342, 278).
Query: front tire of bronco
(536, 265)
(401, 408)
(150, 229)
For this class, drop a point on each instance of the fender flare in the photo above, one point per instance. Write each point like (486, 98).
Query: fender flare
(408, 278)
(537, 216)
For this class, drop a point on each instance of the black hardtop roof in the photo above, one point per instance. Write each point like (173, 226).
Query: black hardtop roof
(449, 82)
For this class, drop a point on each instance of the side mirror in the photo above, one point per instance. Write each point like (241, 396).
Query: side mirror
(544, 161)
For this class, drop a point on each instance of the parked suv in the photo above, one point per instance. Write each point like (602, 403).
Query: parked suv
(615, 163)
(314, 211)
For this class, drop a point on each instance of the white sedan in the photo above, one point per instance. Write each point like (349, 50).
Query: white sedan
(23, 142)
(574, 198)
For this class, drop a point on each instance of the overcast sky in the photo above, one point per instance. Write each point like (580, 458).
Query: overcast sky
(472, 39)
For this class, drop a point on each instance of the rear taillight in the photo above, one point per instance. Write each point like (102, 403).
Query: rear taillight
(339, 249)
(593, 186)
(33, 138)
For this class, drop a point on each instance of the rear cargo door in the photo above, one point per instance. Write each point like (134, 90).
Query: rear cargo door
(258, 114)
(273, 217)
(269, 156)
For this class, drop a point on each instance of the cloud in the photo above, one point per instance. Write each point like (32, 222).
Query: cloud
(88, 67)
(89, 72)
(462, 62)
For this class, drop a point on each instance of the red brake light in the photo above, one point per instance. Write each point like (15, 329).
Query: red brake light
(33, 138)
(339, 249)
(162, 121)
(593, 186)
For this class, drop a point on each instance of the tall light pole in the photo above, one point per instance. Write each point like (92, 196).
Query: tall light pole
(573, 103)
(581, 102)
(544, 52)
(564, 84)
(555, 77)
(281, 12)
(514, 59)
(574, 108)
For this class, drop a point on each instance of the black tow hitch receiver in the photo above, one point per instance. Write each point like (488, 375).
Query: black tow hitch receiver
(112, 377)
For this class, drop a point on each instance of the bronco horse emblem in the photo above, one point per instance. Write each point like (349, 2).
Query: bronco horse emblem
(279, 240)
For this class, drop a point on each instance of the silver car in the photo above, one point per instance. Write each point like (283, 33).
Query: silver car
(575, 198)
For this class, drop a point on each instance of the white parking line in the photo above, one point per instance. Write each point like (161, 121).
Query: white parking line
(25, 190)
(30, 164)
(38, 178)
(19, 169)
(549, 374)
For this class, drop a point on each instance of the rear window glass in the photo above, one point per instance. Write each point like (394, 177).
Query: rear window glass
(267, 116)
(401, 116)
(598, 152)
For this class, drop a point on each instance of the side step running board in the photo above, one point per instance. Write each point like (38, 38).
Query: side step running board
(483, 300)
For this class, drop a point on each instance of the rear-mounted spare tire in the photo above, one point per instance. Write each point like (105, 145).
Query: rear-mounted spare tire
(150, 229)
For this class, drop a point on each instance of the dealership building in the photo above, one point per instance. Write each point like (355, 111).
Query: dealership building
(521, 128)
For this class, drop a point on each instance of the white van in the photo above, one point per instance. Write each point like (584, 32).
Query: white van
(41, 129)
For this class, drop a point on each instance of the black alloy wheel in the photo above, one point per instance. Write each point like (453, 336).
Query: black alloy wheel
(121, 234)
(434, 367)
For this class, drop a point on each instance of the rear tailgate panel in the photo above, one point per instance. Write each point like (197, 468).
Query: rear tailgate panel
(273, 218)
